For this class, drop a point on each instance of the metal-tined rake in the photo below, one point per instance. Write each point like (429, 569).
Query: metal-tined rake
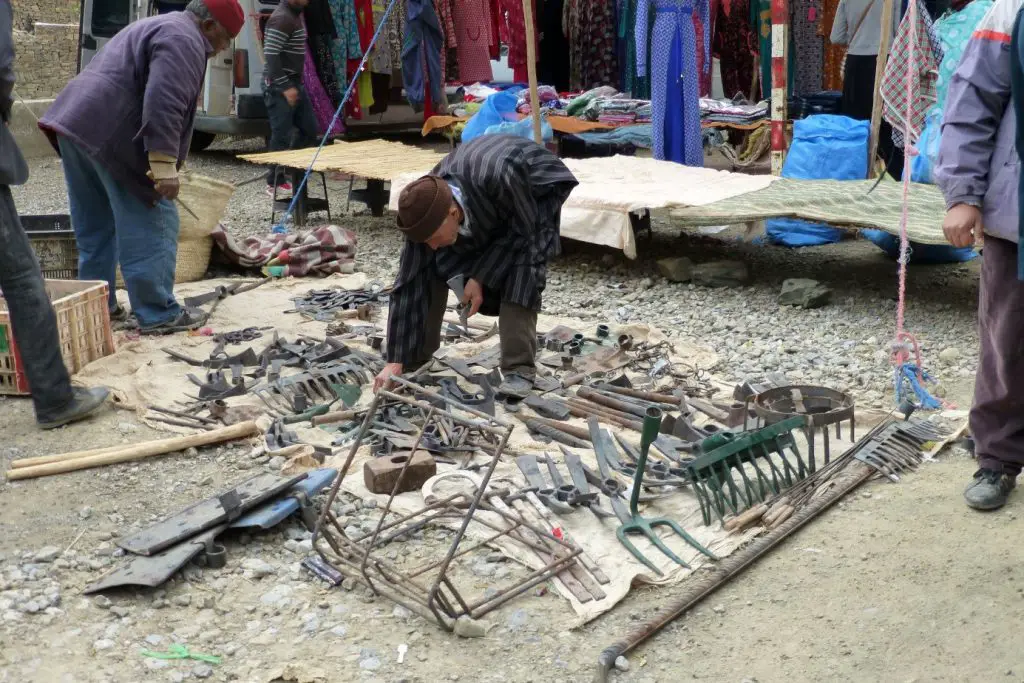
(647, 526)
(725, 484)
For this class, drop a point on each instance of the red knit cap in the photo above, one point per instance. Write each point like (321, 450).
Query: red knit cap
(228, 14)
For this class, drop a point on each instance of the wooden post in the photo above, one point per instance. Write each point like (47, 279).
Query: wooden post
(884, 41)
(531, 70)
(780, 85)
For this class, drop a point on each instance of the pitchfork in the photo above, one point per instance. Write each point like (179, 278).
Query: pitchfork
(641, 525)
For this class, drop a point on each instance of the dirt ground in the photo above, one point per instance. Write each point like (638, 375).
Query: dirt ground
(899, 583)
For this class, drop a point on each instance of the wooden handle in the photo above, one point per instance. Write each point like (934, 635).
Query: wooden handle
(740, 522)
(531, 69)
(133, 452)
(336, 416)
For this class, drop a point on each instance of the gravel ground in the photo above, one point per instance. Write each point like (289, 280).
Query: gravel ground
(808, 612)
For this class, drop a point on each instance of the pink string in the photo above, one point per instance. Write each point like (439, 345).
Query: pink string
(901, 352)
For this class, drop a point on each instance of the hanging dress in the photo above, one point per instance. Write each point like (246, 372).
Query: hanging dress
(809, 47)
(735, 45)
(675, 82)
(473, 39)
(599, 65)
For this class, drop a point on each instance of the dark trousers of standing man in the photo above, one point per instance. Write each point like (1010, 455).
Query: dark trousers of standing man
(290, 127)
(517, 328)
(32, 317)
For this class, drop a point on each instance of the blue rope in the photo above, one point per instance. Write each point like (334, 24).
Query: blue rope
(906, 380)
(297, 192)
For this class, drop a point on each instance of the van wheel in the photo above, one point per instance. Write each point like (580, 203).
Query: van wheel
(201, 140)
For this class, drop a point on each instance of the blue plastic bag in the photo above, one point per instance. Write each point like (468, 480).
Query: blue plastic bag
(497, 109)
(919, 253)
(825, 147)
(523, 129)
(922, 166)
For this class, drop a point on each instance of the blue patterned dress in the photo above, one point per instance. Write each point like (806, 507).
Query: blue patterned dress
(675, 83)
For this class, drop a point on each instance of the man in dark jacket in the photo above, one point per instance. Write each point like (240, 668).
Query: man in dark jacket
(33, 321)
(489, 212)
(123, 128)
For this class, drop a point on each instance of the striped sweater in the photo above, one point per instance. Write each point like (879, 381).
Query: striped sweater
(284, 47)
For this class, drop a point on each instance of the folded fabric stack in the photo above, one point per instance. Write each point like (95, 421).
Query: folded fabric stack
(618, 110)
(550, 103)
(727, 111)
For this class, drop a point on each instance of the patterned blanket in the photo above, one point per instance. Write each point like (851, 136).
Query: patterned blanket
(841, 203)
(322, 251)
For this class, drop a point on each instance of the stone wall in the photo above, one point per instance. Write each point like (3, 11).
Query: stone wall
(46, 46)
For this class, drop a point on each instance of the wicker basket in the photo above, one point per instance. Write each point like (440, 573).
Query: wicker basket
(83, 325)
(208, 199)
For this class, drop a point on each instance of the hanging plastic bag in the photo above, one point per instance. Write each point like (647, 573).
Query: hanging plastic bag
(497, 109)
(922, 166)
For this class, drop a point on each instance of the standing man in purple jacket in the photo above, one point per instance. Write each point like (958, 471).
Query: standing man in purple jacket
(978, 170)
(122, 128)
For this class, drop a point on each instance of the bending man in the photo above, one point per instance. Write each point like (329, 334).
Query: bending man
(489, 212)
(123, 128)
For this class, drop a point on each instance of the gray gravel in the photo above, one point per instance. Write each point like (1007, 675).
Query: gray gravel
(844, 344)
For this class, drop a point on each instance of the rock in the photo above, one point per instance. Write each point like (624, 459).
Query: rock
(950, 355)
(721, 274)
(676, 269)
(348, 584)
(718, 609)
(340, 631)
(120, 610)
(517, 620)
(621, 663)
(804, 293)
(368, 660)
(154, 639)
(202, 671)
(469, 628)
(102, 601)
(104, 644)
(259, 568)
(276, 463)
(127, 428)
(400, 612)
(278, 596)
(47, 554)
(182, 600)
(85, 513)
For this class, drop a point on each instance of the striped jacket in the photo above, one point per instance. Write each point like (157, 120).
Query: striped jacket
(284, 47)
(977, 162)
(513, 191)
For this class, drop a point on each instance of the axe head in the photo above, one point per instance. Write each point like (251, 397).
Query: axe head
(457, 284)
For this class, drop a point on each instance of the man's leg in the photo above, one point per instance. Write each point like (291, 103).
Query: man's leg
(279, 115)
(305, 121)
(35, 324)
(997, 416)
(91, 218)
(517, 331)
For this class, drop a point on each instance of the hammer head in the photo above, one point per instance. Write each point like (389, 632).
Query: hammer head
(457, 284)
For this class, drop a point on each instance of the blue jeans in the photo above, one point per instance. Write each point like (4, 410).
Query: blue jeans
(32, 316)
(114, 226)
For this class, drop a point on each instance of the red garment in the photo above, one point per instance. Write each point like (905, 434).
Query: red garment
(517, 36)
(473, 32)
(496, 25)
(448, 58)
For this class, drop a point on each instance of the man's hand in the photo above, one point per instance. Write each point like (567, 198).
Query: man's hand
(384, 378)
(291, 96)
(473, 296)
(168, 188)
(962, 225)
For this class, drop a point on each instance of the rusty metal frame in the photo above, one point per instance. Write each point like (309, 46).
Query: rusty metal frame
(429, 590)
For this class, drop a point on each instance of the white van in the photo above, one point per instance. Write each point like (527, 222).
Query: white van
(232, 102)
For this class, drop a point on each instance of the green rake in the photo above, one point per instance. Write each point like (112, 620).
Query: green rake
(737, 471)
(647, 526)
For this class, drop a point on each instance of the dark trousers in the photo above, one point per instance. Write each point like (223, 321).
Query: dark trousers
(32, 318)
(858, 98)
(290, 127)
(517, 331)
(997, 417)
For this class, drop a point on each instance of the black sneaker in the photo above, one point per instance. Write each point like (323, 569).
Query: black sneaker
(122, 319)
(989, 490)
(516, 386)
(84, 403)
(188, 319)
(120, 314)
